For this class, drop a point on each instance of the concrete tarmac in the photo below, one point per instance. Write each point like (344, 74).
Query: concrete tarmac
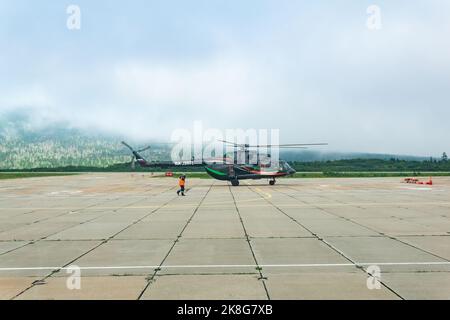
(132, 237)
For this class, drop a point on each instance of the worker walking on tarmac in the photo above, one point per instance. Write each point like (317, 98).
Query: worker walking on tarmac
(181, 183)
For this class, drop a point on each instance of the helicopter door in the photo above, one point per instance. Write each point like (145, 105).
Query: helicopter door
(231, 171)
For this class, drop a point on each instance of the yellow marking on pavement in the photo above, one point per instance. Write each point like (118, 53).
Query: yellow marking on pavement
(265, 195)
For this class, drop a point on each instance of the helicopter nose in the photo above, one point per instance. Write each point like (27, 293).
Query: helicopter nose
(292, 171)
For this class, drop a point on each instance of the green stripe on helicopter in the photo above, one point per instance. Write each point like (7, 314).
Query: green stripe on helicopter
(215, 171)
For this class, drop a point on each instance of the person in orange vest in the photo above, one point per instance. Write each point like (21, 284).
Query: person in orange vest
(181, 183)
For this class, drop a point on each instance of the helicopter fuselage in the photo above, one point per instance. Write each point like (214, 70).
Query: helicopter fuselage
(226, 170)
(233, 172)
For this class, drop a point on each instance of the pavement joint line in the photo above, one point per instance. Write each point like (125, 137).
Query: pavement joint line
(71, 212)
(358, 266)
(312, 197)
(92, 249)
(61, 215)
(390, 236)
(332, 247)
(157, 269)
(301, 265)
(258, 267)
(64, 229)
(402, 206)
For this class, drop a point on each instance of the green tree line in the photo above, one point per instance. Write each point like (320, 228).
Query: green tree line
(349, 165)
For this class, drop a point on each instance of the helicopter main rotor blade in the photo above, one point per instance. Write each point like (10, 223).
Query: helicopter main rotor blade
(233, 143)
(284, 147)
(127, 145)
(290, 145)
(143, 149)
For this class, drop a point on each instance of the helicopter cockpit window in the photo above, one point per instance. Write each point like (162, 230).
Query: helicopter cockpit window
(284, 166)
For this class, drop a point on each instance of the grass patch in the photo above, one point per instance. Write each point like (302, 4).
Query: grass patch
(200, 175)
(19, 175)
(204, 175)
(334, 174)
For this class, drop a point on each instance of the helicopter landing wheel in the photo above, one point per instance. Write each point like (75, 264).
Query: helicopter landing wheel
(272, 182)
(235, 182)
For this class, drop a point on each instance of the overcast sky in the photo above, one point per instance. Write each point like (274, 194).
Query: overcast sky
(312, 69)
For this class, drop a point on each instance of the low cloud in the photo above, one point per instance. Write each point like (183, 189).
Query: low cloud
(371, 91)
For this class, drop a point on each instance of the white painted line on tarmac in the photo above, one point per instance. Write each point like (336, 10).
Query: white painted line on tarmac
(362, 264)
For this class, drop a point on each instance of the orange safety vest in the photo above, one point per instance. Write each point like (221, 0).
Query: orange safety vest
(181, 182)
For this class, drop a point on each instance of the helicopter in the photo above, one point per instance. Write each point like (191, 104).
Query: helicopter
(233, 169)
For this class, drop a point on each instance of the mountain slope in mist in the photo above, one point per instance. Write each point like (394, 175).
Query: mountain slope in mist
(29, 143)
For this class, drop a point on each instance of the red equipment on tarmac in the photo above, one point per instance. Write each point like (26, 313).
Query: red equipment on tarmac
(417, 181)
